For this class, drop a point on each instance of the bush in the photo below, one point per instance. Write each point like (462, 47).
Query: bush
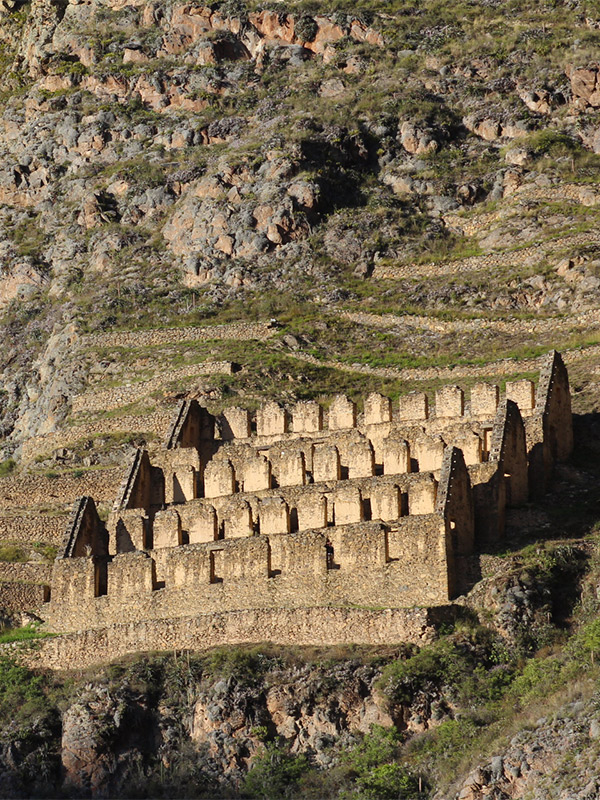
(245, 666)
(473, 667)
(21, 690)
(377, 747)
(306, 28)
(391, 781)
(538, 678)
(376, 770)
(274, 774)
(552, 143)
(7, 466)
(12, 553)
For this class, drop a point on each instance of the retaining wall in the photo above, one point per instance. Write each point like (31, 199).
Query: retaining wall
(300, 626)
(242, 331)
(49, 530)
(21, 596)
(30, 490)
(156, 422)
(17, 572)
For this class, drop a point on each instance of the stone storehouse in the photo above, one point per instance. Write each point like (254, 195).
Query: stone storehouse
(301, 513)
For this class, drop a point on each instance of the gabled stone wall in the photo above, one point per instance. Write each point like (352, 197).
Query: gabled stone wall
(306, 508)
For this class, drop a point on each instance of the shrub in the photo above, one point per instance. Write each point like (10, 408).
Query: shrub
(274, 774)
(376, 769)
(12, 553)
(552, 143)
(391, 781)
(306, 28)
(473, 667)
(7, 466)
(21, 690)
(538, 678)
(245, 666)
(47, 551)
(376, 748)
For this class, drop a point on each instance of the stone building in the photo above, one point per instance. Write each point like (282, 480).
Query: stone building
(308, 511)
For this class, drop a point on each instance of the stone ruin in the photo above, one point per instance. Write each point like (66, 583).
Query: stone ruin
(312, 508)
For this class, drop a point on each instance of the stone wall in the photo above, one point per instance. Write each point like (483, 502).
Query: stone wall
(415, 408)
(17, 572)
(242, 331)
(373, 564)
(117, 396)
(298, 626)
(302, 507)
(156, 423)
(22, 596)
(49, 530)
(29, 490)
(310, 509)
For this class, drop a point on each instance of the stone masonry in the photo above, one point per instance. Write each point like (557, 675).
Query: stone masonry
(301, 509)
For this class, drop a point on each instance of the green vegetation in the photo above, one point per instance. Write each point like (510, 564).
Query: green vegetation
(13, 552)
(275, 773)
(26, 634)
(7, 466)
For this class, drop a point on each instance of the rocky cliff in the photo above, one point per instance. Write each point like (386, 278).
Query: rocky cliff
(165, 164)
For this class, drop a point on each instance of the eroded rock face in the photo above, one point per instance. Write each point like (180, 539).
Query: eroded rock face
(312, 712)
(536, 763)
(103, 739)
(585, 85)
(114, 737)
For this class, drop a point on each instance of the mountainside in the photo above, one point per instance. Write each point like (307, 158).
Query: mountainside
(241, 202)
(167, 165)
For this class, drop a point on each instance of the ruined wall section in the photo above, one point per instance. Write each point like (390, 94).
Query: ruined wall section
(509, 451)
(489, 503)
(373, 564)
(298, 626)
(143, 485)
(554, 403)
(86, 534)
(305, 508)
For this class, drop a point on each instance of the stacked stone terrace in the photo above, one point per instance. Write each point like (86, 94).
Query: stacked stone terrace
(312, 509)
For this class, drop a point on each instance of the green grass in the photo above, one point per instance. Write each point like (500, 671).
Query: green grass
(26, 634)
(7, 467)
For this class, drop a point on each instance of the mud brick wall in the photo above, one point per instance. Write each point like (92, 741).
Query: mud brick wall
(298, 626)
